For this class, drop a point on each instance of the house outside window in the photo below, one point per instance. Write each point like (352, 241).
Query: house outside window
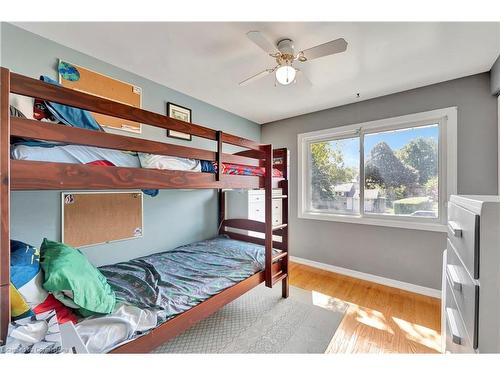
(395, 172)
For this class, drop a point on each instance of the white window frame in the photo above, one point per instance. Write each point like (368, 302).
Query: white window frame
(498, 143)
(447, 169)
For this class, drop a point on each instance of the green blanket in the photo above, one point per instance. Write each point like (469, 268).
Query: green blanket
(73, 280)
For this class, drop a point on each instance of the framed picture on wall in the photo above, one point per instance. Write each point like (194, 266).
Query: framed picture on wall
(180, 113)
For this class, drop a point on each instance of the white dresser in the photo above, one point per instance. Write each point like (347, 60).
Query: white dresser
(250, 204)
(471, 290)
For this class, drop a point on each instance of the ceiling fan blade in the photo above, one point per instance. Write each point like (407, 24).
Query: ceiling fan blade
(325, 49)
(256, 77)
(260, 39)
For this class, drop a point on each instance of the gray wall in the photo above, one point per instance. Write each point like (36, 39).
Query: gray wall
(172, 218)
(495, 77)
(407, 255)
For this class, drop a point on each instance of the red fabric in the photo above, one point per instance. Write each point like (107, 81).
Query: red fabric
(101, 162)
(245, 170)
(40, 111)
(64, 313)
(277, 173)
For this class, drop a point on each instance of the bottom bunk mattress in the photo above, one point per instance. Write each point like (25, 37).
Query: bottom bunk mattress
(77, 154)
(157, 287)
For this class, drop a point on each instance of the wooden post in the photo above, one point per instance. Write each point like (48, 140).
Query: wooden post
(268, 197)
(222, 208)
(4, 204)
(218, 137)
(222, 197)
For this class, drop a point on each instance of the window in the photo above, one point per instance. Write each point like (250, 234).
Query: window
(334, 175)
(401, 172)
(394, 172)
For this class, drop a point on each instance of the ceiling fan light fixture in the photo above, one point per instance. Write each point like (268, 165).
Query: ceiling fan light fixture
(285, 74)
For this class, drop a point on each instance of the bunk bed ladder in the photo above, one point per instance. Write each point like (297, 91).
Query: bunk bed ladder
(283, 256)
(282, 274)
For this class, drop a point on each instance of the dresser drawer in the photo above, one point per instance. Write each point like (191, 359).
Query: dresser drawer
(260, 196)
(277, 218)
(257, 211)
(457, 340)
(277, 204)
(256, 197)
(463, 232)
(465, 291)
(277, 212)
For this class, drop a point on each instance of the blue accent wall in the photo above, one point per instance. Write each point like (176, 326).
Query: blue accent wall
(173, 218)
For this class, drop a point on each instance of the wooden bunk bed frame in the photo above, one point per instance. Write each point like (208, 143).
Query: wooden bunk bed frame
(34, 175)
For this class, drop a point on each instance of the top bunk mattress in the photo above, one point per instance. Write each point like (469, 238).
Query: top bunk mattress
(77, 154)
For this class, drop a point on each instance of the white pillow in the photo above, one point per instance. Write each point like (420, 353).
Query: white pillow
(22, 103)
(169, 162)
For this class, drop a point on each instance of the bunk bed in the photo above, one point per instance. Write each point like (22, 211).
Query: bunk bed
(52, 175)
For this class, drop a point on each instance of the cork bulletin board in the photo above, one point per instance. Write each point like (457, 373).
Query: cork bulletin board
(91, 218)
(85, 80)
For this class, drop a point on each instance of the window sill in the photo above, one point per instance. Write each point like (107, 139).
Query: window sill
(415, 225)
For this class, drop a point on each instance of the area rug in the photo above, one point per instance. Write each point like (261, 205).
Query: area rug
(262, 322)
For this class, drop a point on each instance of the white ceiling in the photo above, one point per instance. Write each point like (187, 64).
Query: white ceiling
(207, 60)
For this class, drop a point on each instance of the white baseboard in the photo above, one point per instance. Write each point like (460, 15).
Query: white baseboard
(369, 277)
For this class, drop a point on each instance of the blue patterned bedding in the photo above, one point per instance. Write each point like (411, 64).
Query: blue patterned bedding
(177, 280)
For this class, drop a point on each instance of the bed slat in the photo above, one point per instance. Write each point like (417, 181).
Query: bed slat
(38, 175)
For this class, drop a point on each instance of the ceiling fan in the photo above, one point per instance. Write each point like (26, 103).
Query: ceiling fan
(285, 56)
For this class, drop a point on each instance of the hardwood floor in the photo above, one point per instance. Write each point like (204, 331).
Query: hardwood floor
(380, 319)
